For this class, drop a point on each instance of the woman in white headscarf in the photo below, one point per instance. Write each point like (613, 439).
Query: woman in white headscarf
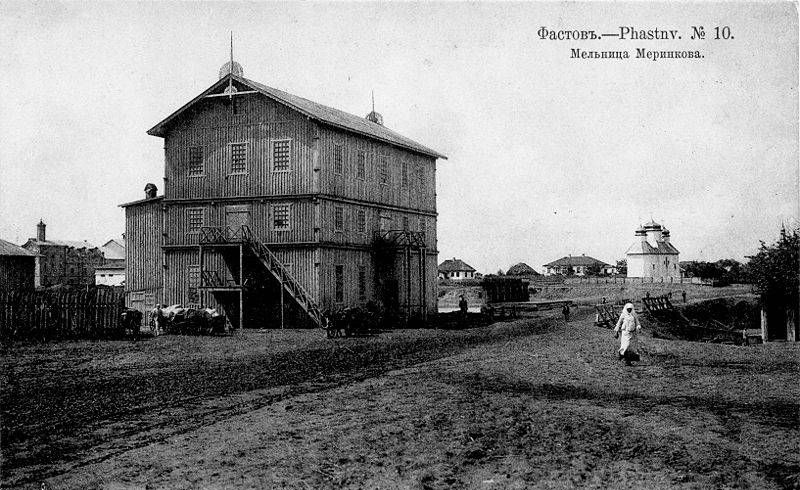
(627, 328)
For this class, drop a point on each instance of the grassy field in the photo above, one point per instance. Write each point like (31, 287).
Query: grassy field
(531, 403)
(590, 294)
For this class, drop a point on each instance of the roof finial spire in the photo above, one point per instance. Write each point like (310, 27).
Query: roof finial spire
(374, 116)
(230, 78)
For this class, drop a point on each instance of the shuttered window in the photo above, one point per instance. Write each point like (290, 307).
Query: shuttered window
(196, 161)
(338, 159)
(362, 283)
(383, 171)
(338, 218)
(195, 218)
(361, 221)
(281, 217)
(281, 155)
(339, 291)
(361, 165)
(238, 158)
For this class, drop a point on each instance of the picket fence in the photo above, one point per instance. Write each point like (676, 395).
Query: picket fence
(61, 314)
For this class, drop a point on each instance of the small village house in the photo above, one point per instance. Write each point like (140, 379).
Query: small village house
(456, 269)
(521, 269)
(579, 265)
(62, 262)
(276, 205)
(112, 271)
(652, 255)
(17, 267)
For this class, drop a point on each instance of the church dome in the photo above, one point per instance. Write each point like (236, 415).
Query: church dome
(231, 67)
(652, 225)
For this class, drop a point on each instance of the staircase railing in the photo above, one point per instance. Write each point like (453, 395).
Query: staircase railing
(243, 234)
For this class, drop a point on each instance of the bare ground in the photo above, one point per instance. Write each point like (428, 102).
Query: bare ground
(532, 403)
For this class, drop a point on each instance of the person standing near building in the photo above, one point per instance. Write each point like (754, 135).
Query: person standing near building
(684, 295)
(463, 306)
(565, 312)
(157, 319)
(627, 330)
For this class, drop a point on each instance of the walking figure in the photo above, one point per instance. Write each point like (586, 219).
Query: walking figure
(463, 306)
(684, 296)
(627, 330)
(565, 312)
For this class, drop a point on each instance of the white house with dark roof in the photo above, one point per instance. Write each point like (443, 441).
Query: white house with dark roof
(580, 265)
(456, 269)
(652, 254)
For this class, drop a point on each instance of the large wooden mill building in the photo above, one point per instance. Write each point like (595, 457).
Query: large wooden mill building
(278, 207)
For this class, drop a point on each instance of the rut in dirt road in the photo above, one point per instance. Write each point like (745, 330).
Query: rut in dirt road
(53, 426)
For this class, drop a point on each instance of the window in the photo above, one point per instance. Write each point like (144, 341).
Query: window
(196, 161)
(281, 155)
(149, 300)
(338, 159)
(238, 158)
(237, 106)
(362, 283)
(281, 219)
(383, 171)
(193, 276)
(404, 174)
(422, 226)
(339, 293)
(338, 218)
(361, 221)
(361, 165)
(405, 223)
(421, 175)
(195, 217)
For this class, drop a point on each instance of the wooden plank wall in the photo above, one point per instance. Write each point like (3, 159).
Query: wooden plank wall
(213, 127)
(17, 272)
(302, 218)
(419, 193)
(143, 227)
(350, 235)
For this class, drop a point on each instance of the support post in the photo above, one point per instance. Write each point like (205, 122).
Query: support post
(764, 325)
(241, 286)
(282, 305)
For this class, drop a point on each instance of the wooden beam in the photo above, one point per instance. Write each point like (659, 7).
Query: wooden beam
(244, 92)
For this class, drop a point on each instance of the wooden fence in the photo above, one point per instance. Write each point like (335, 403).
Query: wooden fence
(61, 314)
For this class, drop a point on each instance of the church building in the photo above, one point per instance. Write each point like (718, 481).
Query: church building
(652, 254)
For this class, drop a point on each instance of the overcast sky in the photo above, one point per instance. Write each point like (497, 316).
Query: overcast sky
(547, 155)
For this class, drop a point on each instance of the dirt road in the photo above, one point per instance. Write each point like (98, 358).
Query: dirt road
(528, 404)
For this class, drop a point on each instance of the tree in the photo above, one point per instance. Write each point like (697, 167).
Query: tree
(499, 272)
(570, 270)
(595, 269)
(774, 269)
(622, 267)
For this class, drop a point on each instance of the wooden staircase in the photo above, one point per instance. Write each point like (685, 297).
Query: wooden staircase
(244, 241)
(287, 282)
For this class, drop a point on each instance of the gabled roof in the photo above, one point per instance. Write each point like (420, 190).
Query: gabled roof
(521, 269)
(113, 249)
(644, 247)
(576, 260)
(324, 114)
(61, 243)
(9, 249)
(454, 264)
